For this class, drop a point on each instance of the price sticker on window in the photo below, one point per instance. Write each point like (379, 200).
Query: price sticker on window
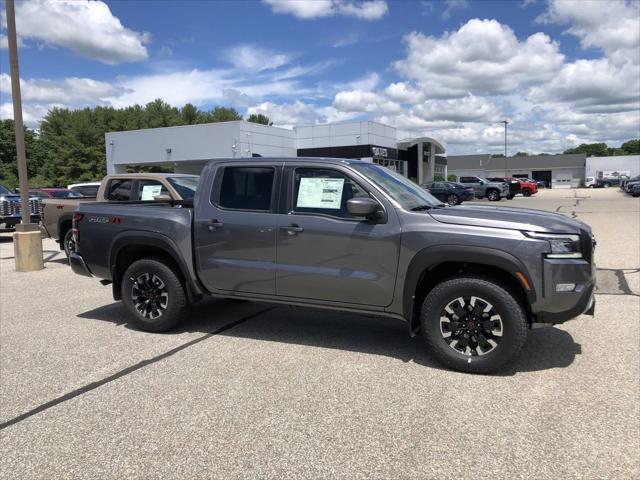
(320, 193)
(150, 191)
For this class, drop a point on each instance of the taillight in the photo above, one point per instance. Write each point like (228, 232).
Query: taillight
(74, 227)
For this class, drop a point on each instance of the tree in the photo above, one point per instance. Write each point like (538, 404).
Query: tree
(452, 178)
(8, 162)
(591, 149)
(521, 154)
(259, 118)
(222, 114)
(190, 114)
(497, 155)
(631, 147)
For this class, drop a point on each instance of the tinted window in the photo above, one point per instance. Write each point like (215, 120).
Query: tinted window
(247, 188)
(439, 185)
(87, 190)
(185, 186)
(324, 191)
(148, 189)
(468, 180)
(119, 190)
(65, 194)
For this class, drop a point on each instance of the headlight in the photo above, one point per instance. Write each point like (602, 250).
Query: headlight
(562, 245)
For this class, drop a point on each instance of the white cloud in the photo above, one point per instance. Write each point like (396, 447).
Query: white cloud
(613, 26)
(255, 59)
(309, 9)
(287, 115)
(367, 82)
(404, 93)
(4, 42)
(72, 90)
(482, 57)
(358, 101)
(451, 5)
(465, 109)
(86, 28)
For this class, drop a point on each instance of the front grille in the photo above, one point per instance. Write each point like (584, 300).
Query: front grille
(10, 208)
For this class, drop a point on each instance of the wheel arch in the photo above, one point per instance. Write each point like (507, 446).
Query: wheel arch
(130, 247)
(64, 225)
(432, 265)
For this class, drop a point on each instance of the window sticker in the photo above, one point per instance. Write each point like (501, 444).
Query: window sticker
(320, 193)
(150, 191)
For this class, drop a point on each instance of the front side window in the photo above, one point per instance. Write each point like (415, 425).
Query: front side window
(469, 180)
(185, 186)
(324, 191)
(247, 188)
(119, 190)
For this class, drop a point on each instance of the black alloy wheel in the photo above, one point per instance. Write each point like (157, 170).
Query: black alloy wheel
(493, 195)
(68, 243)
(453, 199)
(149, 296)
(526, 192)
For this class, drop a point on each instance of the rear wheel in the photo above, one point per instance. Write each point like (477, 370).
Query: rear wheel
(526, 192)
(68, 243)
(493, 195)
(154, 295)
(510, 196)
(473, 324)
(606, 184)
(453, 199)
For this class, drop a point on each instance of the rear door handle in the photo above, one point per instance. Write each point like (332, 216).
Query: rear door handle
(292, 229)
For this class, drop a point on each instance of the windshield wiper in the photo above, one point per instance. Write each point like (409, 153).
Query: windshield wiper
(421, 207)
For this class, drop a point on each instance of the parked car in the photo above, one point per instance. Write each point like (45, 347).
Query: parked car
(87, 189)
(58, 213)
(43, 193)
(494, 191)
(529, 187)
(609, 182)
(628, 185)
(344, 235)
(10, 212)
(450, 192)
(515, 187)
(635, 190)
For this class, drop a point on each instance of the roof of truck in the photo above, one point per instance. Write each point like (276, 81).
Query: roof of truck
(288, 159)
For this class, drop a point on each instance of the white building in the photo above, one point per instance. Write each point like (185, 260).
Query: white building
(608, 167)
(187, 148)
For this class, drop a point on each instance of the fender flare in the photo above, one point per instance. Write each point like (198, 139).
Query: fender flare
(65, 217)
(431, 257)
(158, 240)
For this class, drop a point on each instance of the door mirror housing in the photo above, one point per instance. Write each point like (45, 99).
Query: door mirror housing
(363, 207)
(162, 198)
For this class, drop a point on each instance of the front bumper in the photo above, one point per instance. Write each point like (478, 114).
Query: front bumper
(559, 306)
(78, 265)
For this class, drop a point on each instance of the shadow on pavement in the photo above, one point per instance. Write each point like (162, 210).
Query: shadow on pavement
(546, 348)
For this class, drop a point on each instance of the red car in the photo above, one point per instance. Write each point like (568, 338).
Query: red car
(43, 193)
(529, 187)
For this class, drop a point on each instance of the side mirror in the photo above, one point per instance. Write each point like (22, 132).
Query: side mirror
(362, 207)
(162, 198)
(481, 182)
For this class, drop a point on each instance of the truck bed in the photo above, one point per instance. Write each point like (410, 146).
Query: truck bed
(55, 211)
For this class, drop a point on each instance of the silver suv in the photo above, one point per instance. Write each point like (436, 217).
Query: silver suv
(494, 191)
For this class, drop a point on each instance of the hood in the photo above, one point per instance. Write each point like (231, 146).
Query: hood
(509, 218)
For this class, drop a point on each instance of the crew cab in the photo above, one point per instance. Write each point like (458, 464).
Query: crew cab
(484, 188)
(515, 187)
(343, 235)
(57, 213)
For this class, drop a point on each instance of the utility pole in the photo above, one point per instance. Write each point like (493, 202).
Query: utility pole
(27, 240)
(505, 144)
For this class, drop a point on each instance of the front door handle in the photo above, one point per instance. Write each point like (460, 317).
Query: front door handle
(292, 229)
(215, 224)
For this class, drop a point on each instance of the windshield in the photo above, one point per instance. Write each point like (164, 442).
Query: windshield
(4, 190)
(409, 195)
(185, 186)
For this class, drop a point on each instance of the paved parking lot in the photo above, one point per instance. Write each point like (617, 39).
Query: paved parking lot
(248, 390)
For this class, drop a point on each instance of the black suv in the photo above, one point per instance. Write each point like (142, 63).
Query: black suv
(450, 192)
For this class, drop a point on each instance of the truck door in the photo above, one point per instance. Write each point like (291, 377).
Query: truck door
(326, 254)
(235, 229)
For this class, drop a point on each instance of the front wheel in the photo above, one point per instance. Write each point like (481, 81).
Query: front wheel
(153, 295)
(606, 184)
(510, 196)
(493, 195)
(453, 199)
(526, 192)
(473, 324)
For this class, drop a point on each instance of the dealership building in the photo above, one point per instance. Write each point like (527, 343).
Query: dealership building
(187, 148)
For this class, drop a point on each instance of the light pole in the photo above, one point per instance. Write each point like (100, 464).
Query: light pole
(27, 240)
(505, 144)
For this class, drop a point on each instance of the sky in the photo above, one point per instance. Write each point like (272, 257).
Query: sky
(561, 72)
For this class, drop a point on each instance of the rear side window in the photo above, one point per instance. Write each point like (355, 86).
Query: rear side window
(149, 189)
(468, 180)
(87, 191)
(119, 190)
(246, 188)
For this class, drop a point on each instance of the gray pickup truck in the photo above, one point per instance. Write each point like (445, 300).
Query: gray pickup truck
(494, 191)
(344, 235)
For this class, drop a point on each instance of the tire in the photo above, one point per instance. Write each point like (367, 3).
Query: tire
(606, 185)
(508, 332)
(453, 199)
(510, 196)
(68, 243)
(493, 195)
(526, 192)
(169, 305)
(635, 195)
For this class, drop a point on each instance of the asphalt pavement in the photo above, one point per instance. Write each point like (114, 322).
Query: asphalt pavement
(248, 390)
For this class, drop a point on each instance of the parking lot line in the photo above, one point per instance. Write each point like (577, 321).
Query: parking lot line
(128, 370)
